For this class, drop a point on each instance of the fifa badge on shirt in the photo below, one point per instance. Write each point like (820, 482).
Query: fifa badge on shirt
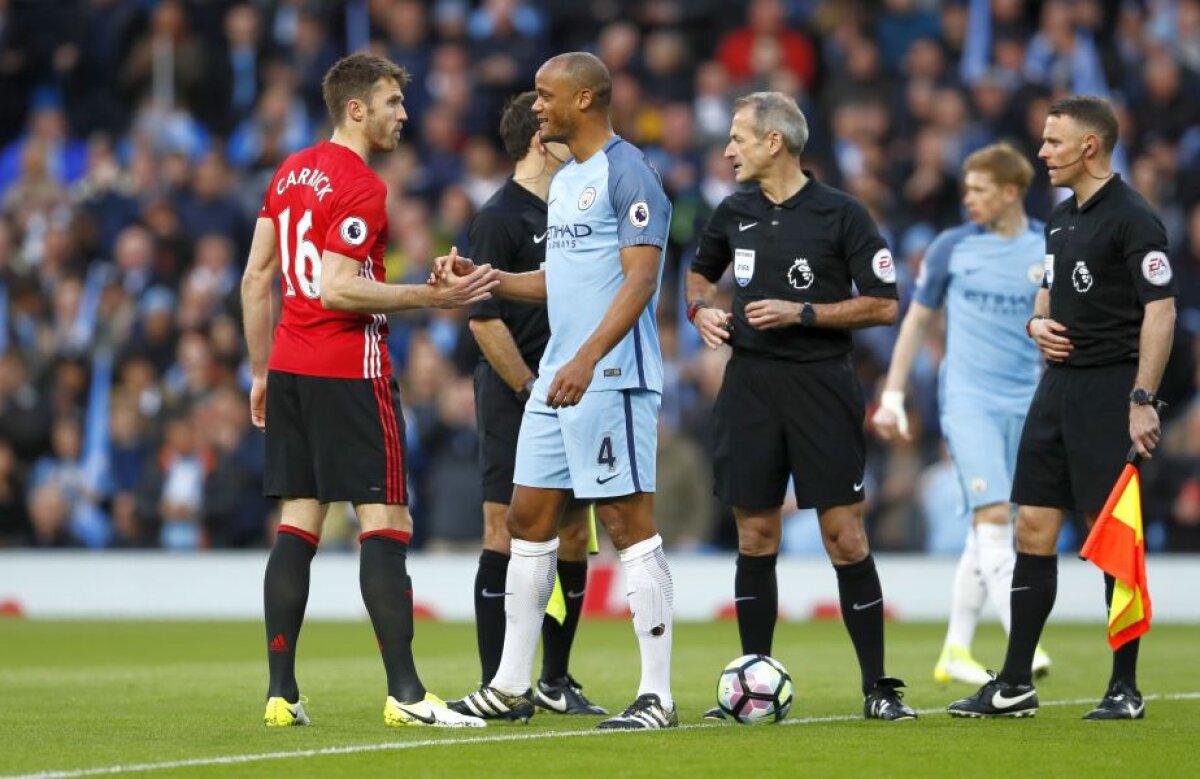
(801, 275)
(1081, 277)
(743, 266)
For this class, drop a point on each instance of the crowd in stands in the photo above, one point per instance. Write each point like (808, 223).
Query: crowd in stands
(137, 138)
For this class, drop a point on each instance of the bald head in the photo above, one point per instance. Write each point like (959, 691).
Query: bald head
(585, 71)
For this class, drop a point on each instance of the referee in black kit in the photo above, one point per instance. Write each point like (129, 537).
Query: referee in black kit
(1104, 320)
(510, 231)
(790, 403)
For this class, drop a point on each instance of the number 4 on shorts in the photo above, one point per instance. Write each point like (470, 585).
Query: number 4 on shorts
(606, 456)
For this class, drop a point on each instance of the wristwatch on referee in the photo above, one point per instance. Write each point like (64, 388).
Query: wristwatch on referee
(1143, 397)
(808, 315)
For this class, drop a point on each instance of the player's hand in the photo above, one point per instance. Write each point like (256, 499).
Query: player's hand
(258, 403)
(890, 419)
(1048, 335)
(454, 291)
(714, 325)
(571, 381)
(449, 264)
(1144, 430)
(772, 314)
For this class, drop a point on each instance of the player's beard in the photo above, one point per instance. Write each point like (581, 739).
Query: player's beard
(378, 135)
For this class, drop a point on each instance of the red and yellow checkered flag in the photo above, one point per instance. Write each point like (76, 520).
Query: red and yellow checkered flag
(1116, 545)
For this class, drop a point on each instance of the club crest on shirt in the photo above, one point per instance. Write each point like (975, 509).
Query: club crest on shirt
(353, 230)
(1034, 273)
(1156, 269)
(884, 266)
(586, 198)
(801, 275)
(639, 214)
(978, 485)
(1048, 270)
(1081, 277)
(743, 266)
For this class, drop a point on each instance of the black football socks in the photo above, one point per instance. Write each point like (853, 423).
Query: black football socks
(1124, 666)
(489, 611)
(1034, 588)
(387, 594)
(756, 599)
(557, 639)
(862, 610)
(285, 596)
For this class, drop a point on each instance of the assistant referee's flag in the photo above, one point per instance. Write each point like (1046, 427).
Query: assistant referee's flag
(1117, 546)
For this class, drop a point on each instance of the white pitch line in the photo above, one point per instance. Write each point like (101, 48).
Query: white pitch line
(398, 745)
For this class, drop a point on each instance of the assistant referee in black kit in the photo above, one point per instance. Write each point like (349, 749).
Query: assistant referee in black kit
(1104, 320)
(790, 404)
(510, 231)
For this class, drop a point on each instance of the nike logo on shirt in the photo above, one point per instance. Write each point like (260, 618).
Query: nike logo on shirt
(743, 227)
(573, 594)
(745, 597)
(487, 594)
(1055, 230)
(862, 606)
(540, 238)
(1001, 701)
(858, 487)
(606, 480)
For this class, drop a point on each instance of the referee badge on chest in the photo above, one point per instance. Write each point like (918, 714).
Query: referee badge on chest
(1081, 277)
(743, 266)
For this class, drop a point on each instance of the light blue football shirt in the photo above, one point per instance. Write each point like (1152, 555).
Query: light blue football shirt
(597, 207)
(987, 283)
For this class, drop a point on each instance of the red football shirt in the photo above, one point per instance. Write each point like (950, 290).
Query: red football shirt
(325, 198)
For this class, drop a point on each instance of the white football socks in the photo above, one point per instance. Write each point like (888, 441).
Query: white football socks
(996, 560)
(651, 599)
(527, 588)
(966, 596)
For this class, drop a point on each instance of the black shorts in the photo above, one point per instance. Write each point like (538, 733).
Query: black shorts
(498, 414)
(335, 439)
(774, 418)
(1075, 439)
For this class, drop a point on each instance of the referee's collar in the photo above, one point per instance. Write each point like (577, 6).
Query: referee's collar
(795, 199)
(1099, 194)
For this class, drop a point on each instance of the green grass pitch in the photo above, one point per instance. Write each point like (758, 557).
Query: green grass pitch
(185, 699)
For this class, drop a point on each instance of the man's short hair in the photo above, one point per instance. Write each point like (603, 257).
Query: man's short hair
(354, 76)
(1003, 163)
(588, 72)
(776, 112)
(518, 124)
(1094, 113)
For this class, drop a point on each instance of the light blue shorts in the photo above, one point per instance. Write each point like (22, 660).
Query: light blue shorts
(604, 447)
(984, 449)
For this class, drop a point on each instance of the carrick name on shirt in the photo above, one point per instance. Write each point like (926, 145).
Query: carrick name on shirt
(308, 177)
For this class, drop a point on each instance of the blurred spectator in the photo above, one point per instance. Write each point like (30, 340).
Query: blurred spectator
(765, 33)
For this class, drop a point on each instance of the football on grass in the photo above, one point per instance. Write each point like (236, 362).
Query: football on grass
(754, 689)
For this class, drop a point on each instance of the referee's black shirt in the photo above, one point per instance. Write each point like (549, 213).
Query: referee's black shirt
(510, 233)
(1104, 263)
(808, 248)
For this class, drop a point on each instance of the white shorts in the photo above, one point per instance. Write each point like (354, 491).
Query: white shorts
(604, 447)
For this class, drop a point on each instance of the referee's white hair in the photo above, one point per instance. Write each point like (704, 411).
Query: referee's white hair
(777, 112)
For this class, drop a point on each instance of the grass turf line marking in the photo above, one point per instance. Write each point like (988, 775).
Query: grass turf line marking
(395, 745)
